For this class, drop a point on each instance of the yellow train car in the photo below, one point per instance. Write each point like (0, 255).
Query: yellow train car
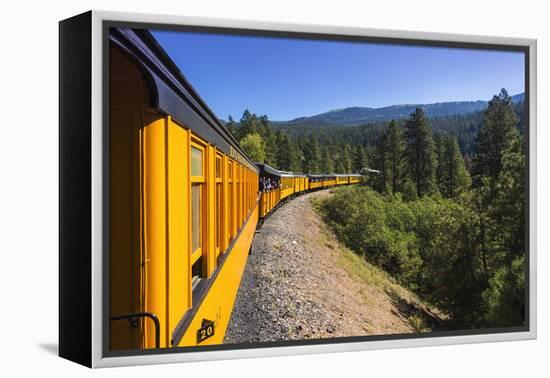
(300, 182)
(277, 186)
(341, 179)
(270, 188)
(268, 200)
(329, 180)
(354, 178)
(315, 182)
(287, 185)
(183, 205)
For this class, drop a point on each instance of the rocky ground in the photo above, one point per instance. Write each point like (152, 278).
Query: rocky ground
(301, 283)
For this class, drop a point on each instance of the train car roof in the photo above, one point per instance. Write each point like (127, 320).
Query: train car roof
(269, 169)
(171, 92)
(275, 172)
(315, 176)
(322, 176)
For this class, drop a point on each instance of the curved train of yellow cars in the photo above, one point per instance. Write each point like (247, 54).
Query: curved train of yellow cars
(185, 202)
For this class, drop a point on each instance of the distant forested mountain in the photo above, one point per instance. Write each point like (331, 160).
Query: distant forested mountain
(339, 148)
(361, 115)
(465, 127)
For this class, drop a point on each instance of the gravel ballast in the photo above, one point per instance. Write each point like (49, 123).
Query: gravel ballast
(294, 288)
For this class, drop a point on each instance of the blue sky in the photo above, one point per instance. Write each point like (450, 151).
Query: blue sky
(289, 78)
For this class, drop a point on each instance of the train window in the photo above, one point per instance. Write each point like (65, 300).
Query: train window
(253, 184)
(241, 220)
(218, 167)
(247, 192)
(198, 214)
(196, 205)
(219, 203)
(238, 195)
(196, 161)
(218, 215)
(230, 200)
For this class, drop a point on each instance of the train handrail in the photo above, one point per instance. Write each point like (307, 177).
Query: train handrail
(132, 319)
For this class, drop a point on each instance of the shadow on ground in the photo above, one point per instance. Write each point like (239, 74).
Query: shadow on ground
(51, 348)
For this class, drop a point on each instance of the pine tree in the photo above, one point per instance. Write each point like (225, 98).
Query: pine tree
(337, 154)
(499, 120)
(312, 156)
(439, 159)
(270, 143)
(248, 124)
(499, 202)
(454, 179)
(346, 158)
(297, 157)
(359, 159)
(327, 164)
(508, 207)
(262, 124)
(420, 153)
(339, 167)
(505, 296)
(395, 151)
(231, 126)
(285, 152)
(468, 163)
(380, 181)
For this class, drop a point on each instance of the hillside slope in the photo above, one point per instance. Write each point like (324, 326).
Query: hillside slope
(301, 283)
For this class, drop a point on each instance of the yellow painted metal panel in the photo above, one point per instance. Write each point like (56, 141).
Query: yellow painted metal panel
(129, 114)
(235, 212)
(124, 256)
(238, 206)
(286, 192)
(210, 210)
(179, 268)
(225, 205)
(241, 195)
(154, 176)
(218, 304)
(287, 187)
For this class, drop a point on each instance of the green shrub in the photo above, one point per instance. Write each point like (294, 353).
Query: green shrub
(428, 244)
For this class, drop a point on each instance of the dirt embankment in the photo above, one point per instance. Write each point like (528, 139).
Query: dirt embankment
(301, 283)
